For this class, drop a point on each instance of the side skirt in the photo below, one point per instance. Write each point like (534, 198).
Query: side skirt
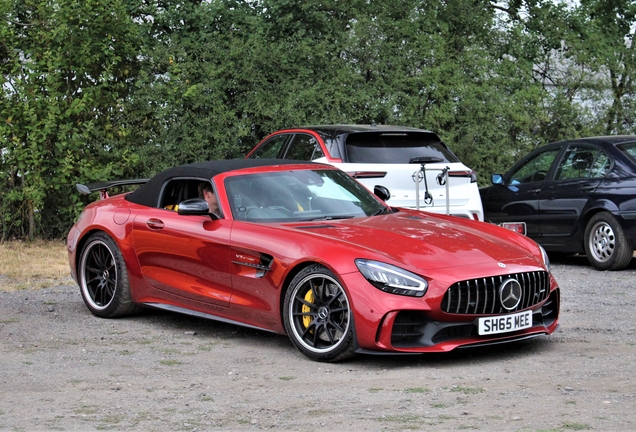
(204, 315)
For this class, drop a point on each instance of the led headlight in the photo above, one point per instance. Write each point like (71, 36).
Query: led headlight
(546, 260)
(392, 279)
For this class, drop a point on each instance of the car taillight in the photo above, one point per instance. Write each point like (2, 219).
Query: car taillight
(367, 174)
(518, 227)
(468, 173)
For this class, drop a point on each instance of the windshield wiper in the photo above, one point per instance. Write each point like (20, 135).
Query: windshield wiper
(330, 218)
(384, 210)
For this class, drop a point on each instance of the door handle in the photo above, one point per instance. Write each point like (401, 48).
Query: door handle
(534, 191)
(154, 223)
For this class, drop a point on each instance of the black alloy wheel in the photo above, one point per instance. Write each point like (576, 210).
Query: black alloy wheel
(103, 278)
(317, 315)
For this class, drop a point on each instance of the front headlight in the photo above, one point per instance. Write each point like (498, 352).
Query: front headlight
(392, 279)
(546, 260)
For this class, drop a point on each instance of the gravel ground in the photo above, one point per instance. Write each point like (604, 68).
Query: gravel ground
(63, 369)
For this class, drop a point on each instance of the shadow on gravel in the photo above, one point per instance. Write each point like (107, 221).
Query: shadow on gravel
(261, 340)
(206, 328)
(482, 355)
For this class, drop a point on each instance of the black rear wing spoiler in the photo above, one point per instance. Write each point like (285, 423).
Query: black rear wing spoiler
(103, 187)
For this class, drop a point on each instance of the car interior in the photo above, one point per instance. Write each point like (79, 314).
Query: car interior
(576, 165)
(265, 198)
(178, 190)
(282, 197)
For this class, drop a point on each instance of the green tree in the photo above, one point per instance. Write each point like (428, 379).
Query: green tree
(99, 89)
(66, 70)
(601, 45)
(227, 72)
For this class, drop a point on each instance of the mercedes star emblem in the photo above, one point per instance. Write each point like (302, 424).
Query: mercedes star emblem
(510, 294)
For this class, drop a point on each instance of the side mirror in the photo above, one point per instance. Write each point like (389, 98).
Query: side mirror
(497, 179)
(382, 192)
(195, 207)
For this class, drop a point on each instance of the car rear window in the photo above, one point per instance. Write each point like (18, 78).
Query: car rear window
(395, 148)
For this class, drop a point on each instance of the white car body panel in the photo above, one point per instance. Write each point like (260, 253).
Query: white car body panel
(464, 200)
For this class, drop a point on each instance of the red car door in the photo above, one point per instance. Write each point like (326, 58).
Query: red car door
(187, 256)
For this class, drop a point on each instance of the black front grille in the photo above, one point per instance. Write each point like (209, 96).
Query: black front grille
(481, 296)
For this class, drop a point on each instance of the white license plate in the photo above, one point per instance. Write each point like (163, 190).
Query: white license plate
(505, 323)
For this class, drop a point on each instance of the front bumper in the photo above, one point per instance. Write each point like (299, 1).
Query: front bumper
(391, 323)
(414, 330)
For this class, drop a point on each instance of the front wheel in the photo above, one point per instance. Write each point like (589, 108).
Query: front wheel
(103, 278)
(605, 244)
(317, 315)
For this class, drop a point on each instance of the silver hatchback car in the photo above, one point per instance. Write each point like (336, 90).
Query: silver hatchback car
(419, 170)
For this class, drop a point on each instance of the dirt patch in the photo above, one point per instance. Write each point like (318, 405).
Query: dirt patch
(64, 369)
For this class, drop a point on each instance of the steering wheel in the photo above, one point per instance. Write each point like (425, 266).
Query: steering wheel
(281, 209)
(539, 175)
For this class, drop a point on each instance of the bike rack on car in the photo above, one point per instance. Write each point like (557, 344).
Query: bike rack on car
(442, 180)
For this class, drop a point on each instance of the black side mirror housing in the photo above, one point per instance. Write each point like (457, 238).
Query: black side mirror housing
(382, 192)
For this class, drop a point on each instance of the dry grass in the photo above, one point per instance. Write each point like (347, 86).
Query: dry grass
(38, 264)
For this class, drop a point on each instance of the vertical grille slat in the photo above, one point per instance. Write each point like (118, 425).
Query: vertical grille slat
(476, 295)
(485, 300)
(481, 296)
(467, 300)
(493, 300)
(532, 289)
(526, 284)
(544, 289)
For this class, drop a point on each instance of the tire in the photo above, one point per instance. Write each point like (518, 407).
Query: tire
(317, 315)
(103, 278)
(605, 244)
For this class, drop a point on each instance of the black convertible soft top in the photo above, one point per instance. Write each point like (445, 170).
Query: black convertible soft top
(148, 194)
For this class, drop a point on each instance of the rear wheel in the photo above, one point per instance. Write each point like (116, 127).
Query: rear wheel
(605, 244)
(317, 315)
(103, 278)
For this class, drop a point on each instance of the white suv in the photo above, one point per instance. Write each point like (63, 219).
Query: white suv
(390, 156)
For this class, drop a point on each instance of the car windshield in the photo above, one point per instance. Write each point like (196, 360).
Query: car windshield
(395, 148)
(299, 195)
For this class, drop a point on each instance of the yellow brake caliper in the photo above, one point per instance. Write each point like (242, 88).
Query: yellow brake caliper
(309, 297)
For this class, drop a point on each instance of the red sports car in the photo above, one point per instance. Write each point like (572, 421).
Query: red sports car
(303, 249)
